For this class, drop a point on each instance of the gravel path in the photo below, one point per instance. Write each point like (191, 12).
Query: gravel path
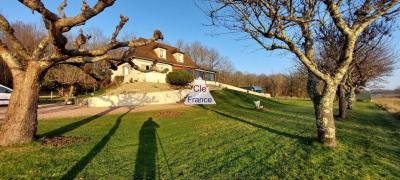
(50, 111)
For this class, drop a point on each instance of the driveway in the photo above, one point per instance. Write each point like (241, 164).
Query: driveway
(49, 111)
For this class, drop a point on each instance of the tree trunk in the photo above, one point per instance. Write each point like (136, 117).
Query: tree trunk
(21, 118)
(323, 108)
(325, 121)
(351, 97)
(62, 91)
(342, 100)
(70, 93)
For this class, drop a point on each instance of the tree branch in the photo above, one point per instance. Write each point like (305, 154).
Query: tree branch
(280, 35)
(16, 45)
(56, 25)
(123, 20)
(41, 47)
(9, 59)
(337, 17)
(86, 14)
(37, 5)
(80, 40)
(113, 45)
(363, 21)
(61, 8)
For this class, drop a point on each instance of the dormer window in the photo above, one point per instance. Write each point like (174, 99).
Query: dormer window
(179, 57)
(161, 53)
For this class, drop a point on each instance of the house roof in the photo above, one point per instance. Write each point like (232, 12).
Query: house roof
(148, 52)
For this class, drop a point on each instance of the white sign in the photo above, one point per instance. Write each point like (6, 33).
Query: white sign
(199, 94)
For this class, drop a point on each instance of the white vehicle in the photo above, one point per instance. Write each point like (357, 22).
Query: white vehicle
(5, 94)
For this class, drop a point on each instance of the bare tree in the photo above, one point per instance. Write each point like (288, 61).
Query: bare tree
(76, 77)
(290, 25)
(29, 34)
(27, 68)
(373, 59)
(297, 86)
(5, 77)
(205, 57)
(208, 58)
(278, 85)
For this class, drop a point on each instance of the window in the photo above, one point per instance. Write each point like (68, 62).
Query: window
(179, 57)
(210, 76)
(163, 53)
(147, 67)
(4, 90)
(198, 74)
(126, 70)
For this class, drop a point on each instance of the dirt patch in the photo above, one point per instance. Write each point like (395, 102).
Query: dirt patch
(62, 141)
(169, 114)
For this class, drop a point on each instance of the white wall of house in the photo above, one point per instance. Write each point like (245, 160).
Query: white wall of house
(131, 74)
(155, 77)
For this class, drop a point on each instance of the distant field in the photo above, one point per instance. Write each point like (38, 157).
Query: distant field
(390, 104)
(229, 140)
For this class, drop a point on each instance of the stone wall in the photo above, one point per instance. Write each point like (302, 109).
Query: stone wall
(138, 99)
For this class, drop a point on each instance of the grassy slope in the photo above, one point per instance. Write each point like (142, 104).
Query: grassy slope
(230, 139)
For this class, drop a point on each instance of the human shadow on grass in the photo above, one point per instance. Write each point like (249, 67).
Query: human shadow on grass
(301, 139)
(74, 125)
(84, 161)
(145, 165)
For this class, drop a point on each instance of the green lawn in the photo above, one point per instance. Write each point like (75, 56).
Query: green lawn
(223, 141)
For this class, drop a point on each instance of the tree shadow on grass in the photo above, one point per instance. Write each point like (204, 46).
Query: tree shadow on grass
(83, 162)
(250, 98)
(77, 124)
(301, 139)
(145, 165)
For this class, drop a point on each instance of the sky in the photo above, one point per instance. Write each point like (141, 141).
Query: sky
(179, 20)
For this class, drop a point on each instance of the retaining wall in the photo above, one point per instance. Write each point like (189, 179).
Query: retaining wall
(138, 99)
(163, 97)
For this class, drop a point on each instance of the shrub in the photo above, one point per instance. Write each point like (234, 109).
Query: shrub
(165, 70)
(179, 78)
(119, 79)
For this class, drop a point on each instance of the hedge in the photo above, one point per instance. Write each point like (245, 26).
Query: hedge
(179, 78)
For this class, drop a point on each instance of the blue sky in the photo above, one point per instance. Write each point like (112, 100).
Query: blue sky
(178, 19)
